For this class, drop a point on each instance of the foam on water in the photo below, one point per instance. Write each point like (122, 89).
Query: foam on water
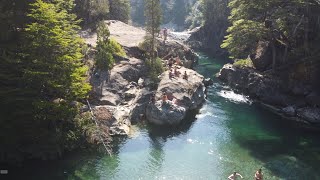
(234, 97)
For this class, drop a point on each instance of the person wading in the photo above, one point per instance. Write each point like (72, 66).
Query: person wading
(258, 175)
(234, 176)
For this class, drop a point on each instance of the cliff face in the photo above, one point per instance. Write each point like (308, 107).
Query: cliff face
(296, 100)
(209, 38)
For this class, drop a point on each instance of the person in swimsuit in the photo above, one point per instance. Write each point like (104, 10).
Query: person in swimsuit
(234, 176)
(258, 175)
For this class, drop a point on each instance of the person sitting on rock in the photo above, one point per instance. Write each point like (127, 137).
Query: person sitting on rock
(164, 98)
(178, 61)
(175, 101)
(176, 72)
(185, 76)
(153, 98)
(170, 62)
(171, 74)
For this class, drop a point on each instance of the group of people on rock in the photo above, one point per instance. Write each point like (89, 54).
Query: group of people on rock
(257, 176)
(173, 72)
(165, 100)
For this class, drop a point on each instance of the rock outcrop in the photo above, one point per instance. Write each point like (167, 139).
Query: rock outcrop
(209, 38)
(124, 91)
(118, 92)
(183, 95)
(287, 99)
(176, 49)
(262, 59)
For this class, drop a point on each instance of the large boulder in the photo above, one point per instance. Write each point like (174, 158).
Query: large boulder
(189, 93)
(183, 95)
(110, 87)
(263, 87)
(139, 105)
(165, 113)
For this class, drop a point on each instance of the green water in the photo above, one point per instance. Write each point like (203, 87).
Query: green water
(229, 133)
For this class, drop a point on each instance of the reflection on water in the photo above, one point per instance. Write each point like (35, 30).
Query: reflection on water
(229, 133)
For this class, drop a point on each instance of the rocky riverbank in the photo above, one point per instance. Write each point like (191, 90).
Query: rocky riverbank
(295, 101)
(121, 96)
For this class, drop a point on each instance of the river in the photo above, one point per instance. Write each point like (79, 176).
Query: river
(229, 133)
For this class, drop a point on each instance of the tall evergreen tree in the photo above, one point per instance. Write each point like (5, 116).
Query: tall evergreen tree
(42, 76)
(283, 24)
(153, 21)
(59, 71)
(120, 10)
(92, 11)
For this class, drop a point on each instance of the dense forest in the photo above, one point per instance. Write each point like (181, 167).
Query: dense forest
(43, 75)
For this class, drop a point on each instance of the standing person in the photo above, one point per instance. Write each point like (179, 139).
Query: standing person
(234, 176)
(165, 34)
(185, 76)
(258, 175)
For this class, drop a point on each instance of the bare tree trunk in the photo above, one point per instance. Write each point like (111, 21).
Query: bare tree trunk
(152, 33)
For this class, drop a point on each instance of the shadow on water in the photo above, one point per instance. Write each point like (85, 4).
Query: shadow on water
(285, 149)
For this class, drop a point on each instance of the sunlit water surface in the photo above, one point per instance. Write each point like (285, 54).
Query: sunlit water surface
(229, 133)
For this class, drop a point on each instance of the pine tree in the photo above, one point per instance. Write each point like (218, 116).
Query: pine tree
(92, 11)
(153, 21)
(59, 72)
(120, 10)
(40, 78)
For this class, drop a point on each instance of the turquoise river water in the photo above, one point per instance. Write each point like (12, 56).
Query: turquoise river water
(229, 133)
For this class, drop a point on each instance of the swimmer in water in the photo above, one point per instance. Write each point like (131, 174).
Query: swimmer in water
(234, 176)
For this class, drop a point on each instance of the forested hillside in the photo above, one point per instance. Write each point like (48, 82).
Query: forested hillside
(44, 76)
(277, 35)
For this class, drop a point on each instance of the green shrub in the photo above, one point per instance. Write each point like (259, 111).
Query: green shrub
(106, 47)
(145, 45)
(243, 63)
(116, 48)
(104, 58)
(155, 69)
